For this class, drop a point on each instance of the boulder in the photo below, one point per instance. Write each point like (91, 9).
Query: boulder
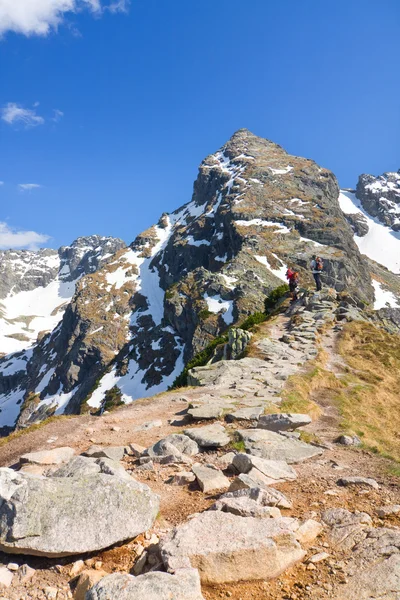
(272, 446)
(79, 466)
(209, 436)
(209, 478)
(184, 585)
(283, 421)
(175, 444)
(264, 497)
(228, 548)
(251, 413)
(113, 452)
(275, 470)
(56, 456)
(208, 411)
(345, 528)
(246, 507)
(62, 516)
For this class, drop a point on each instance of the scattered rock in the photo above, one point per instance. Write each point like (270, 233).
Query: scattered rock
(346, 528)
(183, 478)
(137, 450)
(6, 577)
(227, 548)
(275, 470)
(316, 558)
(209, 478)
(386, 511)
(25, 573)
(113, 452)
(12, 566)
(61, 516)
(76, 568)
(251, 413)
(225, 461)
(184, 585)
(246, 507)
(348, 440)
(86, 581)
(149, 425)
(308, 531)
(175, 444)
(48, 457)
(208, 411)
(209, 436)
(273, 446)
(283, 421)
(346, 481)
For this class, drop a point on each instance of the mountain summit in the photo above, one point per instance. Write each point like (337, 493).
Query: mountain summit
(135, 321)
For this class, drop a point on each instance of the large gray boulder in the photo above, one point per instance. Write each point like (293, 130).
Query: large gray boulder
(184, 585)
(209, 436)
(62, 516)
(274, 470)
(55, 456)
(273, 446)
(227, 548)
(175, 444)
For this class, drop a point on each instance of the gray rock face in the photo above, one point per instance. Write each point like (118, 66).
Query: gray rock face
(227, 548)
(184, 585)
(283, 421)
(209, 436)
(62, 516)
(175, 445)
(380, 196)
(272, 446)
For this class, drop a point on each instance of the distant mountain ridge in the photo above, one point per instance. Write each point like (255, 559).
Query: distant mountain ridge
(134, 321)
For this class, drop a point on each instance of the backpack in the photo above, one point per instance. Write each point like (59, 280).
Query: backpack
(319, 265)
(289, 274)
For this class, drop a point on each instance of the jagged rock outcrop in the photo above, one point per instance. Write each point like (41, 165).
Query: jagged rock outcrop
(134, 322)
(380, 197)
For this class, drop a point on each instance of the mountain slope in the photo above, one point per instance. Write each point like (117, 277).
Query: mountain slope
(133, 323)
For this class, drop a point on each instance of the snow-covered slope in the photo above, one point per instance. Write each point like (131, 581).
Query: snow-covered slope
(37, 286)
(380, 243)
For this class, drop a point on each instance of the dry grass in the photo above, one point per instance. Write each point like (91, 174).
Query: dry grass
(370, 401)
(300, 388)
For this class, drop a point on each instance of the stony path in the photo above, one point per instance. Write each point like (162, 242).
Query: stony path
(277, 485)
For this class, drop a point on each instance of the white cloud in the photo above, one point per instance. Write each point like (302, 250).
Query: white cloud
(57, 115)
(27, 187)
(11, 238)
(39, 17)
(12, 113)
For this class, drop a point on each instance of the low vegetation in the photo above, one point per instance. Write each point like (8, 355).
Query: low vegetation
(272, 304)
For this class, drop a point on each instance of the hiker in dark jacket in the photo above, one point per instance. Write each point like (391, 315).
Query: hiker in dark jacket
(317, 266)
(293, 278)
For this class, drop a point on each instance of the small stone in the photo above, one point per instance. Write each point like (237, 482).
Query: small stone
(149, 425)
(140, 564)
(76, 568)
(86, 581)
(25, 573)
(316, 558)
(98, 565)
(137, 450)
(50, 593)
(346, 481)
(386, 511)
(115, 428)
(308, 531)
(183, 478)
(6, 577)
(12, 567)
(210, 479)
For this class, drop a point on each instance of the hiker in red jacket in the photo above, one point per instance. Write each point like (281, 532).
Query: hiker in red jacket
(293, 278)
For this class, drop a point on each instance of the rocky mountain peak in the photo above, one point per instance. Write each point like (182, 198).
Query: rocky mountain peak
(380, 197)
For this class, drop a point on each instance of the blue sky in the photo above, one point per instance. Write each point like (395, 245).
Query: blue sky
(121, 102)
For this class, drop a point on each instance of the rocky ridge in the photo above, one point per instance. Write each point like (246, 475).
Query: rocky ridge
(134, 323)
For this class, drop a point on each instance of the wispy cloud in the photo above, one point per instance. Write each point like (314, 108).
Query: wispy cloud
(12, 238)
(27, 187)
(39, 17)
(12, 113)
(57, 115)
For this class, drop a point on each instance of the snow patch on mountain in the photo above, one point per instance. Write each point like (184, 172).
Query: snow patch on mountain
(381, 243)
(384, 298)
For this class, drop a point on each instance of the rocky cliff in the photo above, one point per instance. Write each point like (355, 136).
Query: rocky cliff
(135, 321)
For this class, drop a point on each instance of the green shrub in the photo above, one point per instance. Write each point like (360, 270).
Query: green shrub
(112, 398)
(204, 314)
(275, 297)
(254, 319)
(199, 360)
